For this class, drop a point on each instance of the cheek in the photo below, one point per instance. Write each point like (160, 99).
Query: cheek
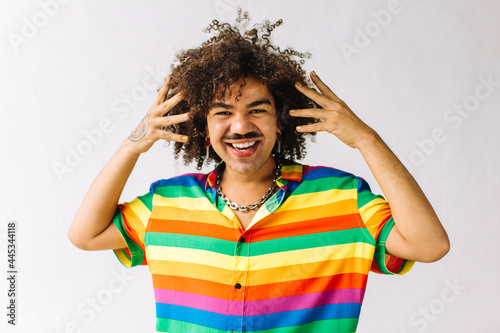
(271, 125)
(215, 130)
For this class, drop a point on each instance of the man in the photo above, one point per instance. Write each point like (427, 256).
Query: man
(262, 242)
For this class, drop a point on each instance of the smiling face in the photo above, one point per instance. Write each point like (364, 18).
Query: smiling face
(242, 127)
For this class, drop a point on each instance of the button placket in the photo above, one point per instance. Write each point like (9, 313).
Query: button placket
(240, 269)
(240, 265)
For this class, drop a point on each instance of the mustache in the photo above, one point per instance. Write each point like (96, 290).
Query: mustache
(249, 135)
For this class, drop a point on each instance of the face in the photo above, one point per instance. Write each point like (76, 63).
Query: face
(243, 131)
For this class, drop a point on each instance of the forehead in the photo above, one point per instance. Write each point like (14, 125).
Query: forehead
(244, 90)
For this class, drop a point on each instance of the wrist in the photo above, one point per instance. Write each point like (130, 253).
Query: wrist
(370, 140)
(130, 148)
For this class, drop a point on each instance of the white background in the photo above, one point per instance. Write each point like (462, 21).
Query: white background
(67, 70)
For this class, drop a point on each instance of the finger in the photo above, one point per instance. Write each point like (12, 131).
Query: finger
(172, 120)
(325, 90)
(166, 106)
(169, 136)
(162, 93)
(313, 94)
(309, 113)
(316, 127)
(172, 101)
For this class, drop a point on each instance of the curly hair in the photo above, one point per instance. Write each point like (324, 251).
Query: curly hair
(206, 73)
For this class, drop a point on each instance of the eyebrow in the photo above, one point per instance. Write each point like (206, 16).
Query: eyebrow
(251, 105)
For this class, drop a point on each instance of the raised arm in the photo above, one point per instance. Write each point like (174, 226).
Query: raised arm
(92, 227)
(417, 234)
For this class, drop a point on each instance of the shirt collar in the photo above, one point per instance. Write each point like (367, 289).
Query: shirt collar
(290, 171)
(212, 176)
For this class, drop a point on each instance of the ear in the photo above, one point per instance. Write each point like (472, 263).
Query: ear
(207, 135)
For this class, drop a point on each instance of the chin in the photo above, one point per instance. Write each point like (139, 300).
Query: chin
(243, 168)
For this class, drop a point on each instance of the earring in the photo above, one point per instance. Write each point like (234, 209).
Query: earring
(207, 146)
(278, 137)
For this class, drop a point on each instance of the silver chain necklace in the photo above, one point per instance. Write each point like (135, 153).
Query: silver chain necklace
(245, 208)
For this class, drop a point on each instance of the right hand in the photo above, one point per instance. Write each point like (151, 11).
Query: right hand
(151, 127)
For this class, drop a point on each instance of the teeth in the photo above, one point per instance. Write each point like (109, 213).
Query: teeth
(244, 145)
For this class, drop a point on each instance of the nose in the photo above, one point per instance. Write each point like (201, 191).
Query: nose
(241, 124)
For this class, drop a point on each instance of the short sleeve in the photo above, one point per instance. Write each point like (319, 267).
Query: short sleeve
(131, 219)
(376, 215)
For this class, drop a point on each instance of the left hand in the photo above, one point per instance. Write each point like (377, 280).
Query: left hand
(336, 117)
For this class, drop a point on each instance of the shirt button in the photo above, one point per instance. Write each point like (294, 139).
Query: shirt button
(242, 239)
(237, 286)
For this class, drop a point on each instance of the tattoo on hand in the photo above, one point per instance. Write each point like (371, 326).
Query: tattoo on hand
(141, 130)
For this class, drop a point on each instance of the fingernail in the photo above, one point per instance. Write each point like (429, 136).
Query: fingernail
(185, 138)
(299, 84)
(291, 111)
(299, 128)
(185, 115)
(314, 73)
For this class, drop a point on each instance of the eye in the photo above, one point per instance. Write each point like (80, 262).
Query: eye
(258, 111)
(223, 113)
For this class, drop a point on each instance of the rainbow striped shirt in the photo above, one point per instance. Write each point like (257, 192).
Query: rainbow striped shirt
(301, 267)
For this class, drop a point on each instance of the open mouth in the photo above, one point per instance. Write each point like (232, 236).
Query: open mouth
(243, 146)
